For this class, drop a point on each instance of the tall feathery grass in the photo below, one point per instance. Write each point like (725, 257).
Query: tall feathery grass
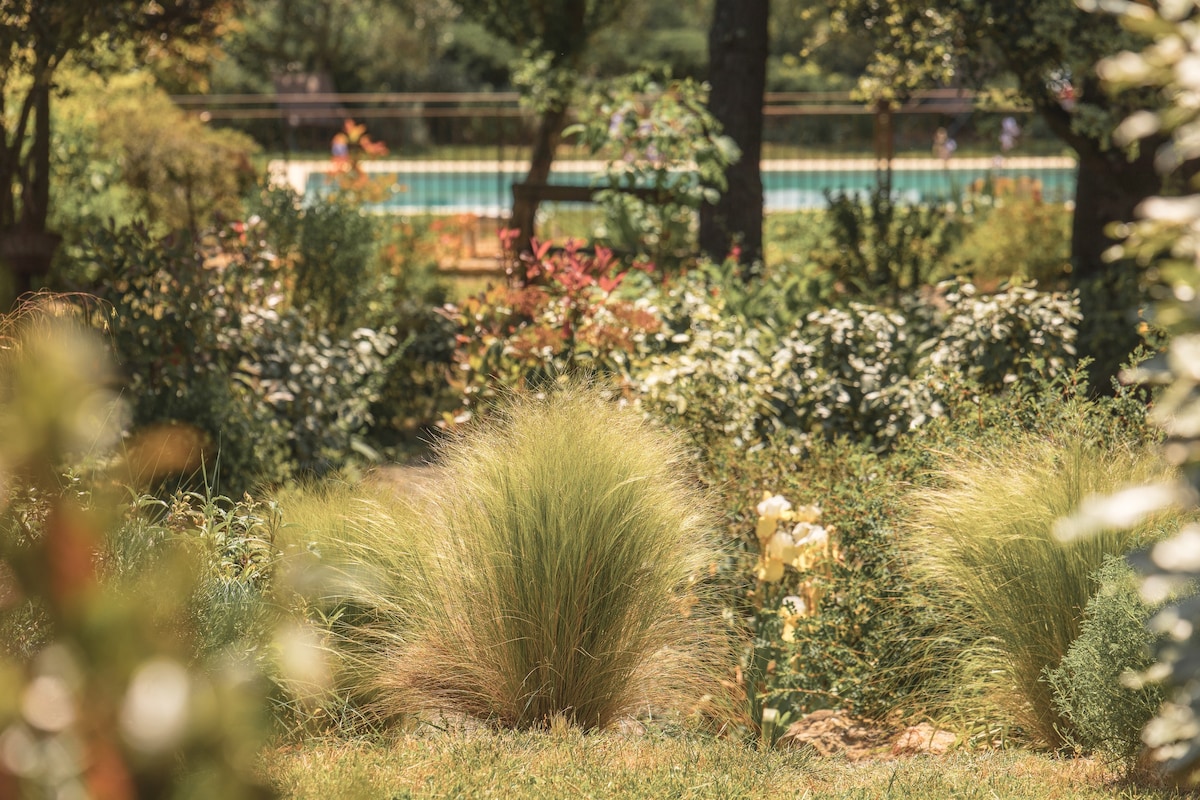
(550, 573)
(1014, 595)
(347, 558)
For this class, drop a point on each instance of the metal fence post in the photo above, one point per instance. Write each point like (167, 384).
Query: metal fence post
(885, 146)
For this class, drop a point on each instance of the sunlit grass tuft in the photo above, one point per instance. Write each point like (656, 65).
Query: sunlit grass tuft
(551, 572)
(1014, 595)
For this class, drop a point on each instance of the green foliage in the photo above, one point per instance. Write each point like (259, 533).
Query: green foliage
(558, 559)
(327, 246)
(983, 536)
(123, 152)
(181, 174)
(659, 137)
(1015, 235)
(1090, 685)
(207, 338)
(358, 279)
(231, 607)
(1163, 238)
(107, 701)
(372, 46)
(1045, 45)
(874, 636)
(719, 359)
(175, 335)
(561, 29)
(878, 245)
(35, 40)
(412, 300)
(871, 371)
(856, 646)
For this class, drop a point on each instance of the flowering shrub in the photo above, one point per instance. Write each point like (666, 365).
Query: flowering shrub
(870, 371)
(565, 316)
(706, 371)
(807, 549)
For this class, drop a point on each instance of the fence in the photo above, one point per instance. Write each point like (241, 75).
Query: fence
(460, 153)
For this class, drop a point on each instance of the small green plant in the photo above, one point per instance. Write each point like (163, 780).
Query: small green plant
(560, 559)
(983, 536)
(882, 246)
(1092, 686)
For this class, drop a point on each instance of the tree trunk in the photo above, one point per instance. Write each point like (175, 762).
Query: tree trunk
(545, 144)
(1108, 189)
(737, 71)
(35, 195)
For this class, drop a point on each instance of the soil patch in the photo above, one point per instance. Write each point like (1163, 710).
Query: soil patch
(838, 733)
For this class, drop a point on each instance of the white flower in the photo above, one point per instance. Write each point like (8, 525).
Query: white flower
(807, 535)
(791, 610)
(773, 507)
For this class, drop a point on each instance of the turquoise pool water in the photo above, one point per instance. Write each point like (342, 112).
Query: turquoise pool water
(490, 191)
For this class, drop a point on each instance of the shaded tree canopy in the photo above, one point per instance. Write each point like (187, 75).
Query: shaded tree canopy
(1049, 49)
(36, 37)
(365, 45)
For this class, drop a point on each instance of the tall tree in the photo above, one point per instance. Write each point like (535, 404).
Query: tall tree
(558, 31)
(365, 45)
(737, 71)
(36, 36)
(1051, 48)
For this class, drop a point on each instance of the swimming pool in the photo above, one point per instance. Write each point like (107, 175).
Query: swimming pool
(485, 188)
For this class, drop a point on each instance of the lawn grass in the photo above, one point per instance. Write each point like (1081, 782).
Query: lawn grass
(538, 766)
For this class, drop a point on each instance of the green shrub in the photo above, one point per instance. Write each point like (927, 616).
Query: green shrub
(123, 149)
(880, 635)
(982, 535)
(206, 337)
(327, 249)
(879, 246)
(1015, 235)
(558, 559)
(1089, 685)
(874, 372)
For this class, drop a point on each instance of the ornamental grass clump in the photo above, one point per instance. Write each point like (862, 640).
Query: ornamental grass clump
(562, 559)
(1014, 595)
